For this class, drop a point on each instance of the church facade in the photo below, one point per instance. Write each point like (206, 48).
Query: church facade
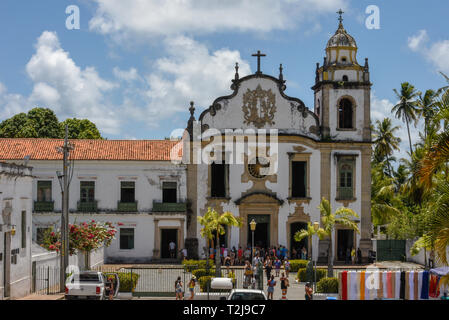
(305, 155)
(258, 153)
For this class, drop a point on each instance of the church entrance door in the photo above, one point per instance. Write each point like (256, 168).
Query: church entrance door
(345, 242)
(295, 227)
(168, 236)
(262, 232)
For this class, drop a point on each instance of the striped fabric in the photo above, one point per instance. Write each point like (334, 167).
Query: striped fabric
(370, 285)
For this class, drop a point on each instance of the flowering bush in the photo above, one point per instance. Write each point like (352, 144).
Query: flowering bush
(84, 237)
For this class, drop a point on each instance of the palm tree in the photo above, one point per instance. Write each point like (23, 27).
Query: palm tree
(385, 140)
(427, 108)
(384, 200)
(343, 216)
(214, 224)
(406, 108)
(308, 233)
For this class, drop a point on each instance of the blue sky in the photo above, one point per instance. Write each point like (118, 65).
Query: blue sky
(133, 66)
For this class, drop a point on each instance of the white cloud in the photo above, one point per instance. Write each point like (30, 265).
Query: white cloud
(188, 72)
(126, 75)
(437, 53)
(416, 42)
(64, 87)
(174, 17)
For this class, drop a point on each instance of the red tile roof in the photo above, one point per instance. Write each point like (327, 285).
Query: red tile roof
(126, 150)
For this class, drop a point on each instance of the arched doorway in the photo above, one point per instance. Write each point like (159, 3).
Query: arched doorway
(297, 245)
(262, 232)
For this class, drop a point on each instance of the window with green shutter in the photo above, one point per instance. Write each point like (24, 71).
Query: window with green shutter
(346, 179)
(44, 191)
(87, 191)
(126, 238)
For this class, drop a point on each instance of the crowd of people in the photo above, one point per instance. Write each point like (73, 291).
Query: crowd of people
(237, 257)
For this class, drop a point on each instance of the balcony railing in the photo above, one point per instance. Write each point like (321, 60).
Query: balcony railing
(169, 207)
(345, 193)
(44, 206)
(127, 206)
(88, 206)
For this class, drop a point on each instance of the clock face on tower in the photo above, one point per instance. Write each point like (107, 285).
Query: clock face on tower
(256, 167)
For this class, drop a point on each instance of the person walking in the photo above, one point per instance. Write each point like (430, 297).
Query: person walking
(270, 290)
(248, 274)
(178, 289)
(287, 267)
(277, 266)
(240, 255)
(353, 256)
(192, 284)
(309, 291)
(172, 249)
(268, 267)
(304, 253)
(359, 256)
(284, 285)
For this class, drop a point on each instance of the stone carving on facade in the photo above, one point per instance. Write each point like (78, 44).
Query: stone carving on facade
(259, 107)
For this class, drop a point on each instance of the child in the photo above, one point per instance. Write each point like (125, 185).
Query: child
(287, 267)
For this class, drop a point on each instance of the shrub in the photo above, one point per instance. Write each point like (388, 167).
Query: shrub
(191, 265)
(302, 274)
(203, 282)
(126, 284)
(327, 285)
(295, 265)
(198, 273)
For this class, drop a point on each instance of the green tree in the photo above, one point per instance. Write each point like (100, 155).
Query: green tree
(80, 129)
(427, 108)
(385, 141)
(37, 123)
(343, 216)
(406, 109)
(214, 224)
(43, 123)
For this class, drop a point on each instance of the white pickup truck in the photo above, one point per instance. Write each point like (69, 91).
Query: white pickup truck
(229, 293)
(91, 285)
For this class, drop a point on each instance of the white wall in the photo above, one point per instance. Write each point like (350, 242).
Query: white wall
(18, 190)
(148, 177)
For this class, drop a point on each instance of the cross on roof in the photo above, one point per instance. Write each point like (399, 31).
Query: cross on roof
(258, 55)
(340, 12)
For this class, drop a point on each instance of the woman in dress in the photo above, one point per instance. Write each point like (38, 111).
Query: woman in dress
(178, 289)
(248, 275)
(270, 284)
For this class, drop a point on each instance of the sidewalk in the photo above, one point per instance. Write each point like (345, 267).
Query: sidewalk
(43, 297)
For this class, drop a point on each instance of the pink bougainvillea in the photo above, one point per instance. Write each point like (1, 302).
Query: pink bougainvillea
(84, 237)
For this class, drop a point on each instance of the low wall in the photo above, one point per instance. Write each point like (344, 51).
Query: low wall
(45, 258)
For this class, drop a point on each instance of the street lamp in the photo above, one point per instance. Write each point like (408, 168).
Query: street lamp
(316, 226)
(252, 225)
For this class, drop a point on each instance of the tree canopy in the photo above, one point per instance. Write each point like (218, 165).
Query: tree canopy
(43, 123)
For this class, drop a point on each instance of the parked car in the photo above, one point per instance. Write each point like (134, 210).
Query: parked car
(246, 294)
(228, 293)
(91, 285)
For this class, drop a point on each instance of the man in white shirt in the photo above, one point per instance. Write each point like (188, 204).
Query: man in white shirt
(172, 247)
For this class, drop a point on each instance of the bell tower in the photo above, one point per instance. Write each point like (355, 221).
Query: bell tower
(342, 90)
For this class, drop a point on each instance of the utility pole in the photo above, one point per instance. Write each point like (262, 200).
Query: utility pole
(65, 150)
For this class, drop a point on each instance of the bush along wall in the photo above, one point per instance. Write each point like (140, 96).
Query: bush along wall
(302, 275)
(295, 265)
(191, 265)
(327, 285)
(126, 283)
